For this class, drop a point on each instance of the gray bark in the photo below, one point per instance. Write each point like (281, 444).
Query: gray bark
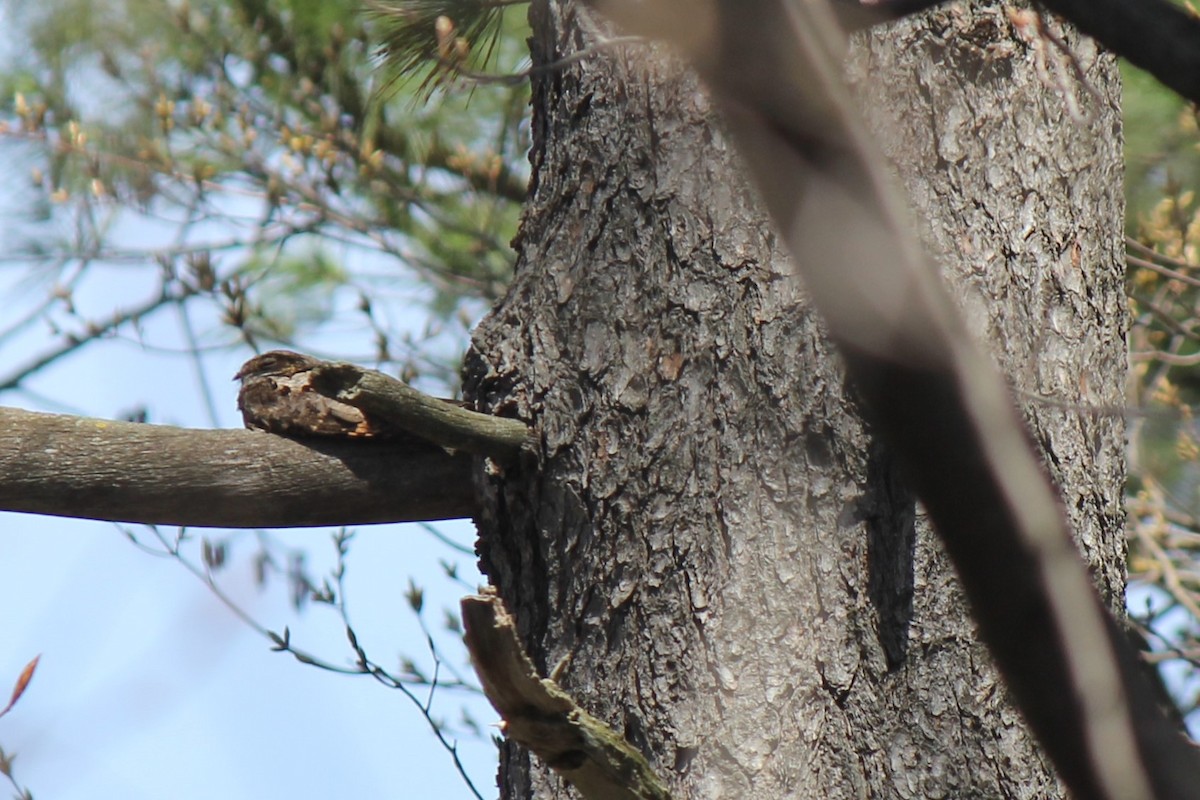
(159, 474)
(743, 581)
(1024, 202)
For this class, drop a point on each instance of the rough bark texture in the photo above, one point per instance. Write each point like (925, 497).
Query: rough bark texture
(1023, 201)
(740, 576)
(159, 474)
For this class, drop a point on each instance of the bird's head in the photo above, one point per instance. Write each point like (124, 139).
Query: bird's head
(281, 363)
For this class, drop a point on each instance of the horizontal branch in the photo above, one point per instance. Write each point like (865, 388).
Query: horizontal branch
(157, 474)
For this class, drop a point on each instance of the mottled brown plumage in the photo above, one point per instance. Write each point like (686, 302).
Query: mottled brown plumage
(277, 396)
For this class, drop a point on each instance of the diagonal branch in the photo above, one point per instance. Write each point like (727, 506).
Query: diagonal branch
(157, 474)
(443, 423)
(94, 330)
(541, 716)
(856, 15)
(1158, 36)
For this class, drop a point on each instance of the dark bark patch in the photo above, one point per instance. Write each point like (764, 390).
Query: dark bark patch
(890, 514)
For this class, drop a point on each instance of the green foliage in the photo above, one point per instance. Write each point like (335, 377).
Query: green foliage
(1163, 222)
(293, 293)
(250, 163)
(1165, 342)
(422, 39)
(265, 134)
(1160, 143)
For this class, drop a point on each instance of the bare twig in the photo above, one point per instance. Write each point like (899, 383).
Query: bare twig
(385, 678)
(94, 330)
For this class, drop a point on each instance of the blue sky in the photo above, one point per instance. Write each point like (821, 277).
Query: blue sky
(148, 686)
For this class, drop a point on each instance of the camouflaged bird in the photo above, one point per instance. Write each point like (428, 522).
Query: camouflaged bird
(277, 396)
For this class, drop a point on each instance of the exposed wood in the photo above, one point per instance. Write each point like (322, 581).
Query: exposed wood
(536, 712)
(130, 472)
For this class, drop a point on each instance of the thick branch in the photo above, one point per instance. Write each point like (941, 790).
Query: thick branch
(129, 472)
(541, 716)
(438, 421)
(1159, 36)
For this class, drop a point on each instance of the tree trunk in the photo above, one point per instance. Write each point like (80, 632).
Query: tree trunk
(742, 581)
